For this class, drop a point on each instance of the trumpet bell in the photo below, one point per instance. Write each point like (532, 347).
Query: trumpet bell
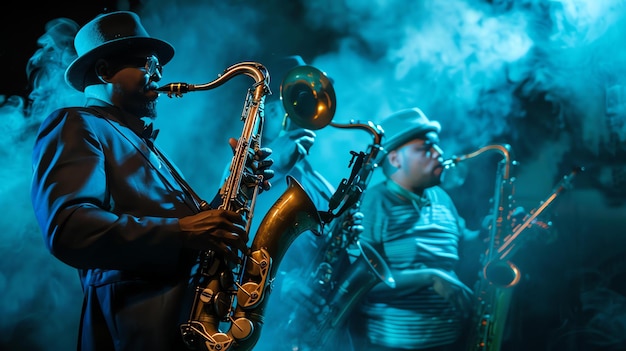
(308, 97)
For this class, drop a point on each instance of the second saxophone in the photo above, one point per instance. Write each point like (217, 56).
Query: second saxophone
(344, 269)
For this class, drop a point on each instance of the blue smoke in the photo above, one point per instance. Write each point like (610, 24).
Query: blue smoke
(547, 77)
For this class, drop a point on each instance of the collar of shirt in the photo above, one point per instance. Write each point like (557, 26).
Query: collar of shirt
(420, 201)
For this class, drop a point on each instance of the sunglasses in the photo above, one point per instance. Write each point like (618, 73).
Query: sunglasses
(430, 146)
(153, 67)
(150, 64)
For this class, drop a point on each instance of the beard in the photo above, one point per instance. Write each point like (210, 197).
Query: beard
(140, 105)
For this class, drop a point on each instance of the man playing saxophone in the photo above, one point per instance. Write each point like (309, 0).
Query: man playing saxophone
(112, 205)
(414, 225)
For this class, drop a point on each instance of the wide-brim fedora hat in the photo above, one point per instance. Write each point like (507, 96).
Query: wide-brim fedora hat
(107, 35)
(406, 125)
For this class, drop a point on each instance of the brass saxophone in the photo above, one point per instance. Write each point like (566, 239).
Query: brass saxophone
(344, 269)
(229, 301)
(499, 276)
(503, 205)
(492, 300)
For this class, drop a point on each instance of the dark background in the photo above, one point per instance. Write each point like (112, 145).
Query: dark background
(545, 77)
(24, 24)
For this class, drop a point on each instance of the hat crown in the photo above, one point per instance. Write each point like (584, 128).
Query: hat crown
(112, 33)
(106, 28)
(406, 125)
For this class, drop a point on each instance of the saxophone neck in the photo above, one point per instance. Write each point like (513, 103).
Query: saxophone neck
(503, 149)
(375, 130)
(255, 70)
(362, 166)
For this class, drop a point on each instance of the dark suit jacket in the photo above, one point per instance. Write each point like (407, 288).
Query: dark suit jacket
(108, 206)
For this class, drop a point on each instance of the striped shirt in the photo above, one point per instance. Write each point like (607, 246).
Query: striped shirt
(411, 232)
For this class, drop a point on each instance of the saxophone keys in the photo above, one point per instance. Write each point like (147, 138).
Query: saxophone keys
(218, 341)
(206, 295)
(249, 295)
(221, 305)
(242, 328)
(226, 279)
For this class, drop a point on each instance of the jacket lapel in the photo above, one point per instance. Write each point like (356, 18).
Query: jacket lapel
(153, 158)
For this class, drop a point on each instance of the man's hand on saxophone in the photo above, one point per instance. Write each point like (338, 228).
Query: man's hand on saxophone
(259, 162)
(218, 230)
(353, 224)
(225, 231)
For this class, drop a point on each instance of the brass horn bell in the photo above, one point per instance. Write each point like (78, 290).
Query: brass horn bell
(308, 97)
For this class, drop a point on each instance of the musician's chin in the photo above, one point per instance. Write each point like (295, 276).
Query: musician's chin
(151, 107)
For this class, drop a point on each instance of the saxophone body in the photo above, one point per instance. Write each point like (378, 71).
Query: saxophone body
(229, 300)
(499, 276)
(493, 299)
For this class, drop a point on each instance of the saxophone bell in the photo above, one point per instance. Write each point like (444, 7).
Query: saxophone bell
(504, 274)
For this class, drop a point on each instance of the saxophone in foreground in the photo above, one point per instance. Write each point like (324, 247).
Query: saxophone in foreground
(229, 300)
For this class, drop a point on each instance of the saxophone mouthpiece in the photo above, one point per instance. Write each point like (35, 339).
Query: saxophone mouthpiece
(178, 89)
(451, 162)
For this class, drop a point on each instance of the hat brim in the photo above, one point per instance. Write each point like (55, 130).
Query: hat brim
(81, 72)
(410, 134)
